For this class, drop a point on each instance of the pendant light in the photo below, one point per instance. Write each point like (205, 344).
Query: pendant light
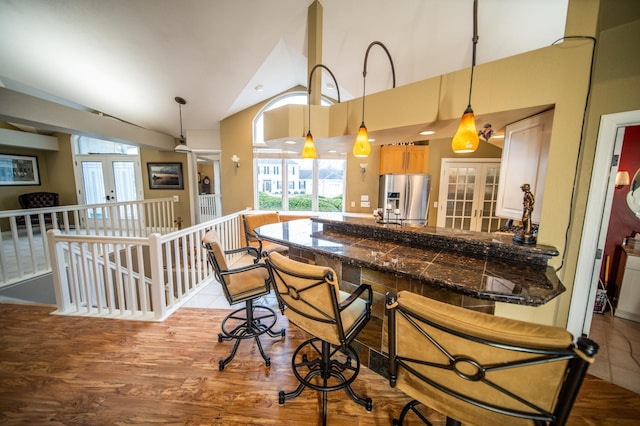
(466, 137)
(182, 146)
(309, 149)
(362, 147)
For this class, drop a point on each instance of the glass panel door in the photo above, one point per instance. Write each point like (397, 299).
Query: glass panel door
(107, 179)
(488, 220)
(468, 193)
(460, 193)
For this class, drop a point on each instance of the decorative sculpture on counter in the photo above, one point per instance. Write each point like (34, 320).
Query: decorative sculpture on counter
(525, 235)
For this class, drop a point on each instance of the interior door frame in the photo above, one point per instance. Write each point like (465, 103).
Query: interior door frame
(609, 143)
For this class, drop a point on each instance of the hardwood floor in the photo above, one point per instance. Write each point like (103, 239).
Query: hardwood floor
(57, 370)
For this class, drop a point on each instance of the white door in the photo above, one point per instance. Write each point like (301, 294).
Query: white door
(468, 193)
(109, 179)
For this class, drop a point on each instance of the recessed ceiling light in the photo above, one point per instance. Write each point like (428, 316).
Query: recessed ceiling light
(371, 140)
(332, 151)
(427, 132)
(290, 142)
(259, 88)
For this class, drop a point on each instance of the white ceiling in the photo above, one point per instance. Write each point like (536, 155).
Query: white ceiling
(130, 58)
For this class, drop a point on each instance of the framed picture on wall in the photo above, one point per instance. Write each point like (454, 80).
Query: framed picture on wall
(19, 170)
(165, 176)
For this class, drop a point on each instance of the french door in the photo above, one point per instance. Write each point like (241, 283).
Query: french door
(468, 193)
(107, 179)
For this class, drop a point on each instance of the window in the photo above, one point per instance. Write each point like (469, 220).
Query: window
(326, 195)
(312, 185)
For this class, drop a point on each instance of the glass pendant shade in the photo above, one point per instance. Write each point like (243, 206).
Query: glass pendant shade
(466, 137)
(362, 147)
(309, 149)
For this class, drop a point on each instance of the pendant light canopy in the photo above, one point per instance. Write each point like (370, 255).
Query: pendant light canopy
(466, 137)
(182, 146)
(309, 149)
(362, 147)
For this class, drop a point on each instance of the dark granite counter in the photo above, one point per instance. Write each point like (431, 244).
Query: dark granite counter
(478, 265)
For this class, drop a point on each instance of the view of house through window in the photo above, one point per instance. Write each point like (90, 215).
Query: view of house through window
(311, 185)
(286, 182)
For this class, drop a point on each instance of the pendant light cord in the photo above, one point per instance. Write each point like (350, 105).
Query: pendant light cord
(364, 70)
(309, 88)
(181, 134)
(180, 101)
(475, 42)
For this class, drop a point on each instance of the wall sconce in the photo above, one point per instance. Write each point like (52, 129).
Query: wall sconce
(309, 149)
(622, 179)
(363, 169)
(466, 137)
(362, 147)
(236, 161)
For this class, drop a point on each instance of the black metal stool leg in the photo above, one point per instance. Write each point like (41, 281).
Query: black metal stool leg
(330, 369)
(250, 326)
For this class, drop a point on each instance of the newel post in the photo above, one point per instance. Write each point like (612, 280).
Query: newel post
(158, 301)
(58, 272)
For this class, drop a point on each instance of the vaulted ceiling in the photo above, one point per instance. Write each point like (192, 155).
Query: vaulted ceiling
(130, 58)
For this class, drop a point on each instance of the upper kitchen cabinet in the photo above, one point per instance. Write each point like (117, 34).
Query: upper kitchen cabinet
(524, 160)
(404, 159)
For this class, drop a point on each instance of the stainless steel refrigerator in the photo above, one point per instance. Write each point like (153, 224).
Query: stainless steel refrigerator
(406, 194)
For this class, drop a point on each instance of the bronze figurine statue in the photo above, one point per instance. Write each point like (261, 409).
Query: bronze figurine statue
(525, 235)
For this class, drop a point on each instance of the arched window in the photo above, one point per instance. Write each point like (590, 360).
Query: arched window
(293, 98)
(287, 183)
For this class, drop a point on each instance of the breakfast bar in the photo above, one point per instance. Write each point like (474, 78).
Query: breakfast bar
(469, 269)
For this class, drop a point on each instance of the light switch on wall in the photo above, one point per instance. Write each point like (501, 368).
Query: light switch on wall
(353, 204)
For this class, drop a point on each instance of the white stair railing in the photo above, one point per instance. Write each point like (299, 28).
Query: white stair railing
(210, 206)
(24, 250)
(135, 278)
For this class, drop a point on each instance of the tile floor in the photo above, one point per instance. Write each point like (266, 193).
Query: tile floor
(212, 297)
(617, 361)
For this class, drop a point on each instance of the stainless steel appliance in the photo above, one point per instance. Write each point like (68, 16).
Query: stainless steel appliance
(404, 197)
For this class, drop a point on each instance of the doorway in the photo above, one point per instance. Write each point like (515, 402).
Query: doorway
(609, 144)
(108, 179)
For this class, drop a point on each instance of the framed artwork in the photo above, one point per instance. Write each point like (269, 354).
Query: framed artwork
(18, 170)
(165, 176)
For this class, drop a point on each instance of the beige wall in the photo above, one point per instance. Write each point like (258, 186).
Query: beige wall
(615, 89)
(56, 174)
(182, 209)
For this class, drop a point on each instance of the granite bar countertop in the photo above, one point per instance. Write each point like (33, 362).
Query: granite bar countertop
(480, 265)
